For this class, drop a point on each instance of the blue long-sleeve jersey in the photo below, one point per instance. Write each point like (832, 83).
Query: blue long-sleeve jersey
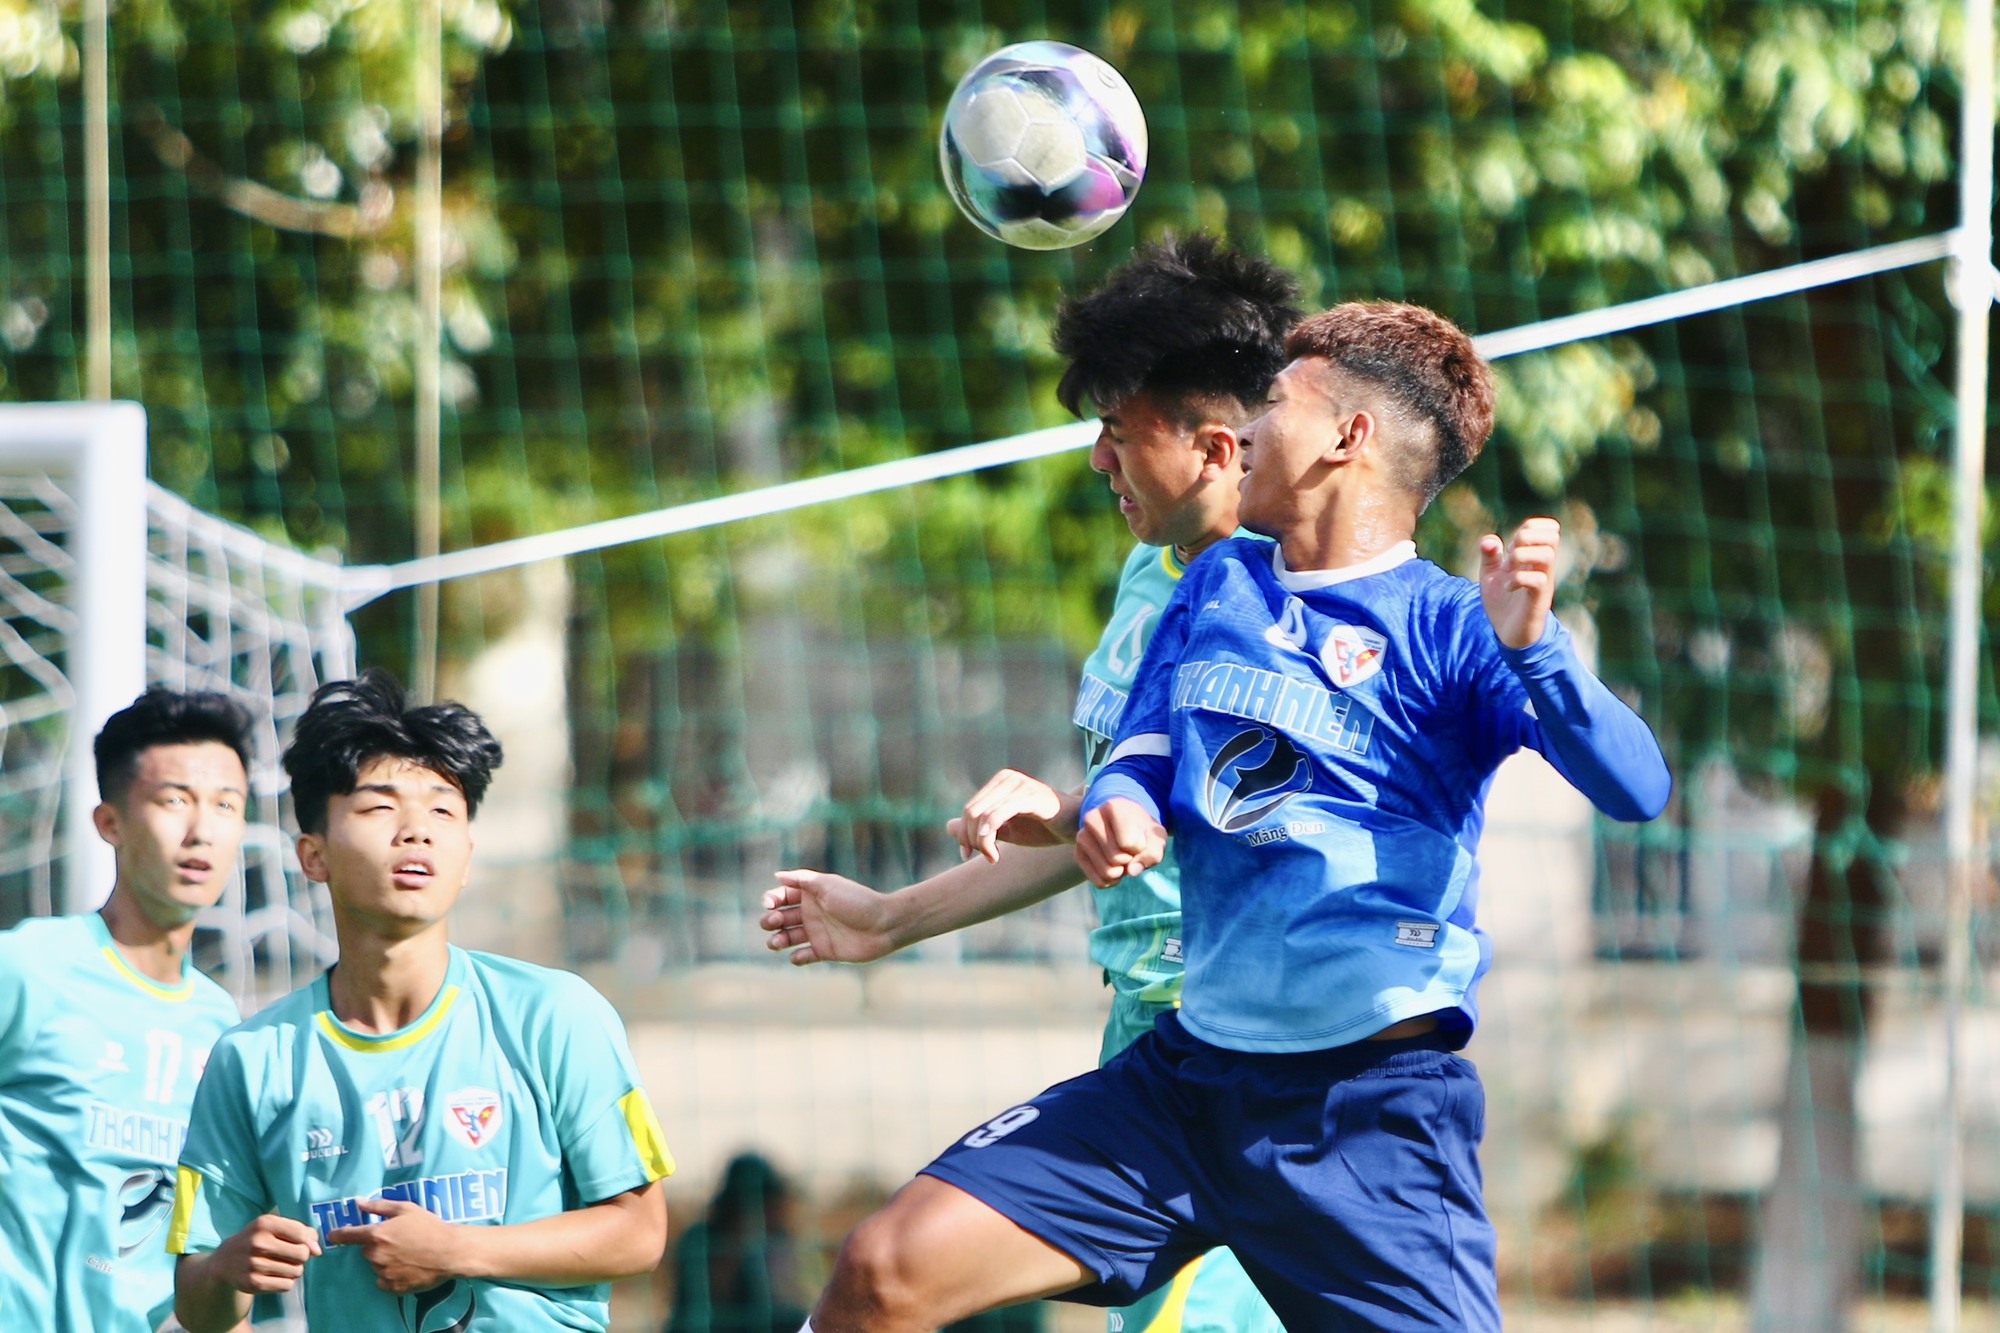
(1320, 745)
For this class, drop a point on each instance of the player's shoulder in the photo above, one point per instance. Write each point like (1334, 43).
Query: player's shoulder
(212, 998)
(518, 989)
(1139, 561)
(1241, 552)
(43, 945)
(256, 1052)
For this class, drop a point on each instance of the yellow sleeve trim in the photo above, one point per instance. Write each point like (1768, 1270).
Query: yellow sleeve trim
(187, 1189)
(1174, 1312)
(647, 1136)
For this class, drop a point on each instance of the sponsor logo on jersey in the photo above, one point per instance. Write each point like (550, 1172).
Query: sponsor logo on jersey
(446, 1308)
(1417, 934)
(145, 1200)
(1256, 771)
(472, 1116)
(156, 1138)
(1099, 706)
(1298, 707)
(1000, 1126)
(1352, 654)
(463, 1196)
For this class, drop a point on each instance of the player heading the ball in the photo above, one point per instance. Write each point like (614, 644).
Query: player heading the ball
(105, 1026)
(428, 1138)
(1317, 723)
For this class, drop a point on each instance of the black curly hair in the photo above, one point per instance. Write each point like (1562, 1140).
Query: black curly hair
(352, 723)
(1188, 319)
(166, 717)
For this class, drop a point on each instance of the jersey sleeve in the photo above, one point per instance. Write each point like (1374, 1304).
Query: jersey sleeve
(1544, 697)
(1140, 767)
(611, 1140)
(219, 1186)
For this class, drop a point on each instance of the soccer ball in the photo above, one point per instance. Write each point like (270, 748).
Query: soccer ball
(1044, 145)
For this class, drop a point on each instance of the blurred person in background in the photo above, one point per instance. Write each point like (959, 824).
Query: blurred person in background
(105, 1026)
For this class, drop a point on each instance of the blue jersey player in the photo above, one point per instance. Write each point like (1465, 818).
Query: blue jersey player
(1176, 350)
(429, 1140)
(105, 1027)
(1317, 724)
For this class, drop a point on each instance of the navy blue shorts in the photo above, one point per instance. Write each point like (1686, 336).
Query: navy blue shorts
(1347, 1180)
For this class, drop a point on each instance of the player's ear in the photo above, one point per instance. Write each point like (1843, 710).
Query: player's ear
(312, 857)
(1219, 446)
(1351, 437)
(109, 824)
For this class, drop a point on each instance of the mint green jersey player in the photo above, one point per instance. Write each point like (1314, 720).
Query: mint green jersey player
(1137, 941)
(98, 1067)
(513, 1097)
(1138, 944)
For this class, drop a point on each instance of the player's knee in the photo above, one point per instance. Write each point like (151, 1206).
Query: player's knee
(874, 1282)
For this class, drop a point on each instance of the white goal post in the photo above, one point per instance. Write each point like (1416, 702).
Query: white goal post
(108, 584)
(76, 478)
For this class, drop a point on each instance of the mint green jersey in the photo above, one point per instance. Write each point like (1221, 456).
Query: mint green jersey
(1137, 941)
(98, 1067)
(512, 1098)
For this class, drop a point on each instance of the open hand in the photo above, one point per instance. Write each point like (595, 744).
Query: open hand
(824, 918)
(1118, 839)
(1517, 581)
(1013, 807)
(410, 1249)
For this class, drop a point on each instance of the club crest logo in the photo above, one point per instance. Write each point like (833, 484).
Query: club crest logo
(473, 1115)
(1352, 654)
(1256, 771)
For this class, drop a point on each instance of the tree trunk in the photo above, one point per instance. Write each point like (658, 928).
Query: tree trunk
(1810, 1237)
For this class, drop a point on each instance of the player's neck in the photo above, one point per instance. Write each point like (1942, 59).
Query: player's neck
(383, 985)
(1346, 534)
(1185, 552)
(157, 953)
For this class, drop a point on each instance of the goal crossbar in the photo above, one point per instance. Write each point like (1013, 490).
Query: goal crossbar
(365, 583)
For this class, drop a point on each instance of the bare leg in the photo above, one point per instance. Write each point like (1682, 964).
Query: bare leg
(933, 1256)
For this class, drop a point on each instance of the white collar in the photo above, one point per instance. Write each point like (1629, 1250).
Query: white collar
(1305, 580)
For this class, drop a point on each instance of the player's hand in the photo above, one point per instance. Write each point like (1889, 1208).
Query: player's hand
(1118, 839)
(410, 1249)
(1517, 580)
(267, 1256)
(1013, 807)
(823, 918)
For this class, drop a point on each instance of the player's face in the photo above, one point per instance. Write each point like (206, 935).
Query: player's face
(397, 849)
(177, 829)
(1156, 469)
(1284, 450)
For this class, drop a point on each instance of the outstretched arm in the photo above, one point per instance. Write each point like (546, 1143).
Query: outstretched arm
(1601, 746)
(824, 918)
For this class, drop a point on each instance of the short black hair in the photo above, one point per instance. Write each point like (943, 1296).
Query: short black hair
(166, 717)
(1187, 319)
(352, 723)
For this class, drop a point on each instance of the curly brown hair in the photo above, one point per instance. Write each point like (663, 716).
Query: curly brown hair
(1426, 364)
